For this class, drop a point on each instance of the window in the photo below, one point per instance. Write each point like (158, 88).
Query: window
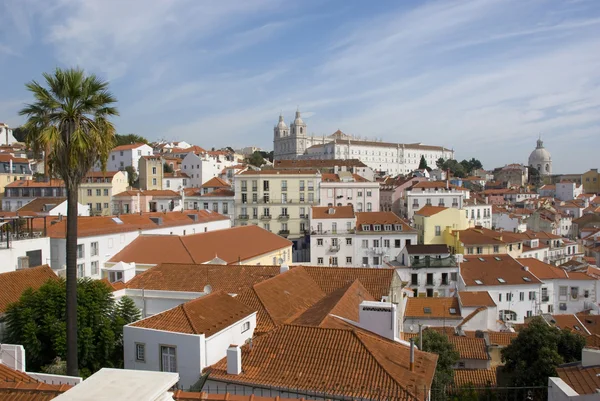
(334, 228)
(245, 327)
(470, 251)
(499, 297)
(428, 201)
(106, 205)
(98, 206)
(529, 313)
(521, 296)
(375, 243)
(368, 193)
(168, 359)
(365, 261)
(311, 197)
(562, 293)
(453, 276)
(376, 260)
(509, 296)
(438, 231)
(94, 249)
(414, 279)
(479, 250)
(215, 207)
(154, 181)
(89, 192)
(531, 295)
(348, 260)
(496, 249)
(80, 251)
(574, 292)
(429, 278)
(369, 207)
(319, 261)
(386, 243)
(168, 183)
(81, 270)
(265, 185)
(98, 192)
(153, 170)
(105, 192)
(359, 193)
(140, 352)
(319, 241)
(365, 243)
(244, 185)
(267, 227)
(348, 241)
(334, 261)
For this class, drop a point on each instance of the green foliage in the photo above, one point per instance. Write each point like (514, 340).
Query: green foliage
(448, 356)
(37, 321)
(128, 139)
(423, 163)
(439, 163)
(256, 159)
(167, 168)
(132, 176)
(462, 169)
(534, 177)
(20, 134)
(533, 356)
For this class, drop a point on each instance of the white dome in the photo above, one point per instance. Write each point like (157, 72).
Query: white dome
(281, 123)
(541, 159)
(298, 120)
(541, 155)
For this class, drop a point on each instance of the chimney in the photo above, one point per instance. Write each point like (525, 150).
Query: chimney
(283, 268)
(412, 356)
(13, 356)
(590, 357)
(526, 268)
(234, 360)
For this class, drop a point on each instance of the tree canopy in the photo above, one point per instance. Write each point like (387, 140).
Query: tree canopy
(256, 159)
(167, 168)
(460, 170)
(127, 139)
(132, 176)
(533, 356)
(423, 164)
(448, 356)
(37, 321)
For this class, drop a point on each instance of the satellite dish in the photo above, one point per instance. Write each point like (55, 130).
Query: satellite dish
(207, 289)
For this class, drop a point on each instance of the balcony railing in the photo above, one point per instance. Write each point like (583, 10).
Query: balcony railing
(428, 261)
(254, 189)
(331, 232)
(284, 217)
(545, 298)
(379, 251)
(243, 217)
(284, 233)
(266, 217)
(334, 248)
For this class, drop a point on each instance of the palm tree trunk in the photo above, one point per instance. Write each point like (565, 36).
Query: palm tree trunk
(72, 365)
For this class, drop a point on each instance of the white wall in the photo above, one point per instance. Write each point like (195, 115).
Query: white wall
(505, 222)
(130, 157)
(9, 257)
(188, 352)
(217, 344)
(382, 252)
(447, 290)
(515, 305)
(358, 194)
(447, 196)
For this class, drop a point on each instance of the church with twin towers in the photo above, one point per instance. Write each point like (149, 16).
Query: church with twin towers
(294, 142)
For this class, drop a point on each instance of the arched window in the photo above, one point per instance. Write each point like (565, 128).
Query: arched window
(300, 129)
(547, 168)
(507, 315)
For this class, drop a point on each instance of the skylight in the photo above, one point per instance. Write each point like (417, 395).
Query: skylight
(526, 279)
(453, 311)
(117, 220)
(481, 259)
(427, 310)
(501, 280)
(478, 282)
(497, 258)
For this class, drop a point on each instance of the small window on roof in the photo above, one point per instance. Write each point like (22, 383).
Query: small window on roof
(526, 279)
(576, 328)
(481, 259)
(398, 227)
(453, 311)
(366, 227)
(387, 227)
(427, 310)
(497, 258)
(501, 280)
(117, 220)
(478, 282)
(377, 227)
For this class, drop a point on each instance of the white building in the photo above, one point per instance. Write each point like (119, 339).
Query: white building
(478, 213)
(201, 167)
(175, 181)
(429, 270)
(541, 159)
(514, 289)
(6, 136)
(342, 237)
(189, 337)
(566, 190)
(433, 193)
(507, 221)
(126, 155)
(393, 158)
(101, 237)
(345, 188)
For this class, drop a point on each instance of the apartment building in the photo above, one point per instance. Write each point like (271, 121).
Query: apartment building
(216, 195)
(277, 200)
(431, 221)
(478, 212)
(98, 188)
(126, 155)
(433, 193)
(139, 201)
(345, 188)
(12, 169)
(19, 193)
(175, 181)
(591, 181)
(201, 167)
(151, 172)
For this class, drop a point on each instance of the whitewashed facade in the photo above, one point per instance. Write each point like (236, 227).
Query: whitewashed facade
(362, 195)
(416, 198)
(201, 168)
(126, 155)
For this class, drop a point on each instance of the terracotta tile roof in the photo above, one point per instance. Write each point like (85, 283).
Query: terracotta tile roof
(180, 395)
(377, 281)
(475, 298)
(216, 182)
(232, 279)
(150, 192)
(13, 284)
(339, 212)
(343, 302)
(36, 184)
(569, 322)
(432, 308)
(371, 218)
(430, 249)
(331, 177)
(584, 380)
(18, 386)
(206, 315)
(475, 377)
(218, 192)
(428, 211)
(118, 285)
(150, 249)
(484, 236)
(176, 174)
(103, 225)
(501, 338)
(495, 270)
(470, 347)
(592, 341)
(280, 171)
(316, 163)
(437, 185)
(349, 362)
(128, 147)
(38, 205)
(543, 270)
(101, 174)
(6, 158)
(192, 149)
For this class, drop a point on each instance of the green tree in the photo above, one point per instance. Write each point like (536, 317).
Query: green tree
(439, 163)
(256, 159)
(37, 321)
(128, 139)
(534, 177)
(448, 356)
(20, 134)
(533, 356)
(132, 176)
(423, 164)
(70, 119)
(167, 168)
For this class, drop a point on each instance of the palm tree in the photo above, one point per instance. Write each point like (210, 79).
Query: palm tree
(70, 118)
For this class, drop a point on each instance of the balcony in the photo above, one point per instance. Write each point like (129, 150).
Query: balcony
(243, 217)
(243, 189)
(545, 298)
(428, 261)
(301, 189)
(304, 216)
(284, 217)
(284, 233)
(254, 189)
(380, 251)
(334, 248)
(266, 217)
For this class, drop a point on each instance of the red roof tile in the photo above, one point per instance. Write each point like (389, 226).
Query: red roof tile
(475, 298)
(334, 212)
(13, 284)
(475, 377)
(216, 182)
(428, 211)
(495, 270)
(584, 380)
(127, 147)
(432, 308)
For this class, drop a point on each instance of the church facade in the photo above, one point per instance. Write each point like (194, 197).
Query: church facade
(389, 158)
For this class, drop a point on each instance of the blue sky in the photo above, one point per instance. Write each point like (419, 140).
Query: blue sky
(484, 77)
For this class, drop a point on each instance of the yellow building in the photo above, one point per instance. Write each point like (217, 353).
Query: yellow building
(151, 172)
(482, 241)
(277, 200)
(432, 221)
(98, 188)
(591, 181)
